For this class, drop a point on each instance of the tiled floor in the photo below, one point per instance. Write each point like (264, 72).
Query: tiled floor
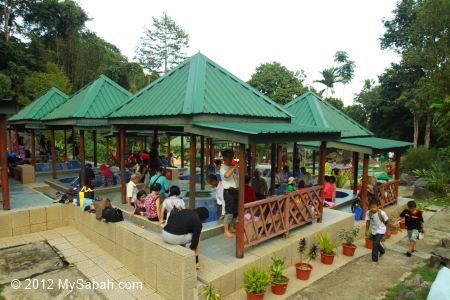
(89, 259)
(23, 196)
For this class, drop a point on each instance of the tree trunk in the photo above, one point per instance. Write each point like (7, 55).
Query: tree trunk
(416, 130)
(428, 130)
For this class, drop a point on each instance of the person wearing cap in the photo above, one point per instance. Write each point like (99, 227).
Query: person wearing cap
(132, 189)
(291, 184)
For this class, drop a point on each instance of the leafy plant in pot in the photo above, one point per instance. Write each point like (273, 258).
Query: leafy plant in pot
(279, 280)
(349, 235)
(369, 239)
(256, 280)
(327, 248)
(303, 269)
(394, 227)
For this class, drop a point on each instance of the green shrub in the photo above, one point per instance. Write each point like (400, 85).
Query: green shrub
(256, 280)
(211, 293)
(341, 180)
(437, 178)
(418, 159)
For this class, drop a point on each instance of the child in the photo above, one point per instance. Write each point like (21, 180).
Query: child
(139, 203)
(220, 203)
(414, 224)
(229, 177)
(377, 219)
(172, 204)
(152, 203)
(291, 184)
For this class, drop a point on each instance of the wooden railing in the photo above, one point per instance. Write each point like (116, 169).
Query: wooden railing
(389, 193)
(271, 217)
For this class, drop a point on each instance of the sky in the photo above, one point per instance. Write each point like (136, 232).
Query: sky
(240, 35)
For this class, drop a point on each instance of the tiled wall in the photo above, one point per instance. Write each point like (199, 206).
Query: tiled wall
(169, 269)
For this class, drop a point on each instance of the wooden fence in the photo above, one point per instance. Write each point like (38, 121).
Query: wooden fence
(271, 217)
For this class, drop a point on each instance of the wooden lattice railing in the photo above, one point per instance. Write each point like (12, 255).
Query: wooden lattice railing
(389, 193)
(271, 217)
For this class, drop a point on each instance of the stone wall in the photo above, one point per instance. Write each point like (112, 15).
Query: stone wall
(168, 269)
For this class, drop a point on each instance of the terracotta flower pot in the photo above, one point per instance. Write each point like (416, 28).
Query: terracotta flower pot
(326, 259)
(369, 244)
(251, 296)
(394, 231)
(402, 225)
(348, 250)
(279, 288)
(303, 270)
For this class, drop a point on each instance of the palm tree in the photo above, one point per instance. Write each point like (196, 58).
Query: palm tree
(330, 77)
(346, 69)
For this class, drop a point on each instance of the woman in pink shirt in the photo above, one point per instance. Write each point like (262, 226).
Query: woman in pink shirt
(329, 189)
(152, 203)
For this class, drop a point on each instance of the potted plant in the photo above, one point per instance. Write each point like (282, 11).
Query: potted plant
(279, 280)
(256, 281)
(302, 269)
(211, 293)
(402, 224)
(394, 227)
(327, 248)
(369, 239)
(349, 235)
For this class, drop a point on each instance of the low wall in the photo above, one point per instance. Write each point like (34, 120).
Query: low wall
(168, 269)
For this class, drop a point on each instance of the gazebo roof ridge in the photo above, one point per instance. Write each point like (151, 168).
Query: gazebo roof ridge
(80, 104)
(34, 110)
(200, 86)
(321, 117)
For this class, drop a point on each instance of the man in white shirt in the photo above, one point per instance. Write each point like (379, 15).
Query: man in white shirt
(214, 182)
(377, 220)
(132, 189)
(229, 176)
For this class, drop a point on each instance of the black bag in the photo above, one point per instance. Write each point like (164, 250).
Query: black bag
(111, 214)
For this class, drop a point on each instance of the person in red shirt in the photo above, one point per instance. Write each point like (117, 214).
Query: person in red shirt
(249, 192)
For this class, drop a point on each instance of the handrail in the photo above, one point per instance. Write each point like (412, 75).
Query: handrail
(274, 216)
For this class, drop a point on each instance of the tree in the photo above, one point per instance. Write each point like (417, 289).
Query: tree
(162, 46)
(336, 102)
(277, 82)
(5, 86)
(330, 76)
(357, 113)
(419, 32)
(346, 68)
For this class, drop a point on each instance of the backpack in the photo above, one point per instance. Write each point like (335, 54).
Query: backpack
(380, 216)
(111, 214)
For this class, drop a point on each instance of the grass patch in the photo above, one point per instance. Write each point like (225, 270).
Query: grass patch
(425, 273)
(443, 202)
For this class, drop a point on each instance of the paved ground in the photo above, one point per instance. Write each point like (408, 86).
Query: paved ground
(360, 279)
(23, 196)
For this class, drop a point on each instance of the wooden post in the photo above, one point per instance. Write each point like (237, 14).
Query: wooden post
(211, 152)
(207, 159)
(16, 142)
(144, 140)
(4, 162)
(279, 158)
(240, 223)
(10, 140)
(168, 145)
(155, 135)
(65, 143)
(82, 159)
(73, 144)
(397, 166)
(295, 163)
(107, 151)
(202, 163)
(94, 141)
(323, 155)
(273, 158)
(355, 172)
(141, 143)
(253, 159)
(365, 177)
(53, 152)
(314, 162)
(192, 171)
(33, 147)
(182, 151)
(123, 187)
(118, 149)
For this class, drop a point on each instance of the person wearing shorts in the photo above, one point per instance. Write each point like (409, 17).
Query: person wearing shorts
(414, 224)
(185, 227)
(229, 176)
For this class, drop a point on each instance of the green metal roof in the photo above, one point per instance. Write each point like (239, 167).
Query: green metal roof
(94, 101)
(40, 107)
(370, 145)
(258, 128)
(200, 86)
(310, 109)
(376, 143)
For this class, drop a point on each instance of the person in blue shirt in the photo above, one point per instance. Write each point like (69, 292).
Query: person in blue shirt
(158, 178)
